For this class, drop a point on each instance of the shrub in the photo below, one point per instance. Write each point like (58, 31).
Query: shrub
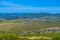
(9, 37)
(56, 38)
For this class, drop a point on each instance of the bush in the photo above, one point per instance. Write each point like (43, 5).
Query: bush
(56, 38)
(9, 37)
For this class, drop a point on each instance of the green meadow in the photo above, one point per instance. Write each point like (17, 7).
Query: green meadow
(11, 29)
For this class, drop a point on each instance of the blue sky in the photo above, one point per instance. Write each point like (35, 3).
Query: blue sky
(29, 6)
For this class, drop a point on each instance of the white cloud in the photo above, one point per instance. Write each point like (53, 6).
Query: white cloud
(21, 8)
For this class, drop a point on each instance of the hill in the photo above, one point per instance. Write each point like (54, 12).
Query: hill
(17, 22)
(10, 16)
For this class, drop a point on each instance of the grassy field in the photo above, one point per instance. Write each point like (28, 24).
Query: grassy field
(21, 25)
(47, 36)
(11, 28)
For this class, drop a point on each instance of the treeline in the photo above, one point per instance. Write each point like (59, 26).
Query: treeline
(10, 16)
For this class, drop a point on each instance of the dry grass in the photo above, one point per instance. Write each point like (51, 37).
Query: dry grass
(24, 26)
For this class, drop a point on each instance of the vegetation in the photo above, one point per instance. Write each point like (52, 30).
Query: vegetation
(49, 36)
(8, 37)
(11, 30)
(21, 25)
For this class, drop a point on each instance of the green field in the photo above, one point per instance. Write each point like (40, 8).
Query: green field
(12, 28)
(48, 36)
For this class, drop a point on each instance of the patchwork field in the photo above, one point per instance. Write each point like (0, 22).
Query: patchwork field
(14, 28)
(21, 25)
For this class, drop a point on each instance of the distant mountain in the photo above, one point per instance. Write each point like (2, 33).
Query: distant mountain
(10, 16)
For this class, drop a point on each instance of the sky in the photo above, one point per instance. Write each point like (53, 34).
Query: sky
(29, 6)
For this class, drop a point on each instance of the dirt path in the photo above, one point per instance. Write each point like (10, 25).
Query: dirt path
(36, 37)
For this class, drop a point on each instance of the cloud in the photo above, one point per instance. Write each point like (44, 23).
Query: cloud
(12, 7)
